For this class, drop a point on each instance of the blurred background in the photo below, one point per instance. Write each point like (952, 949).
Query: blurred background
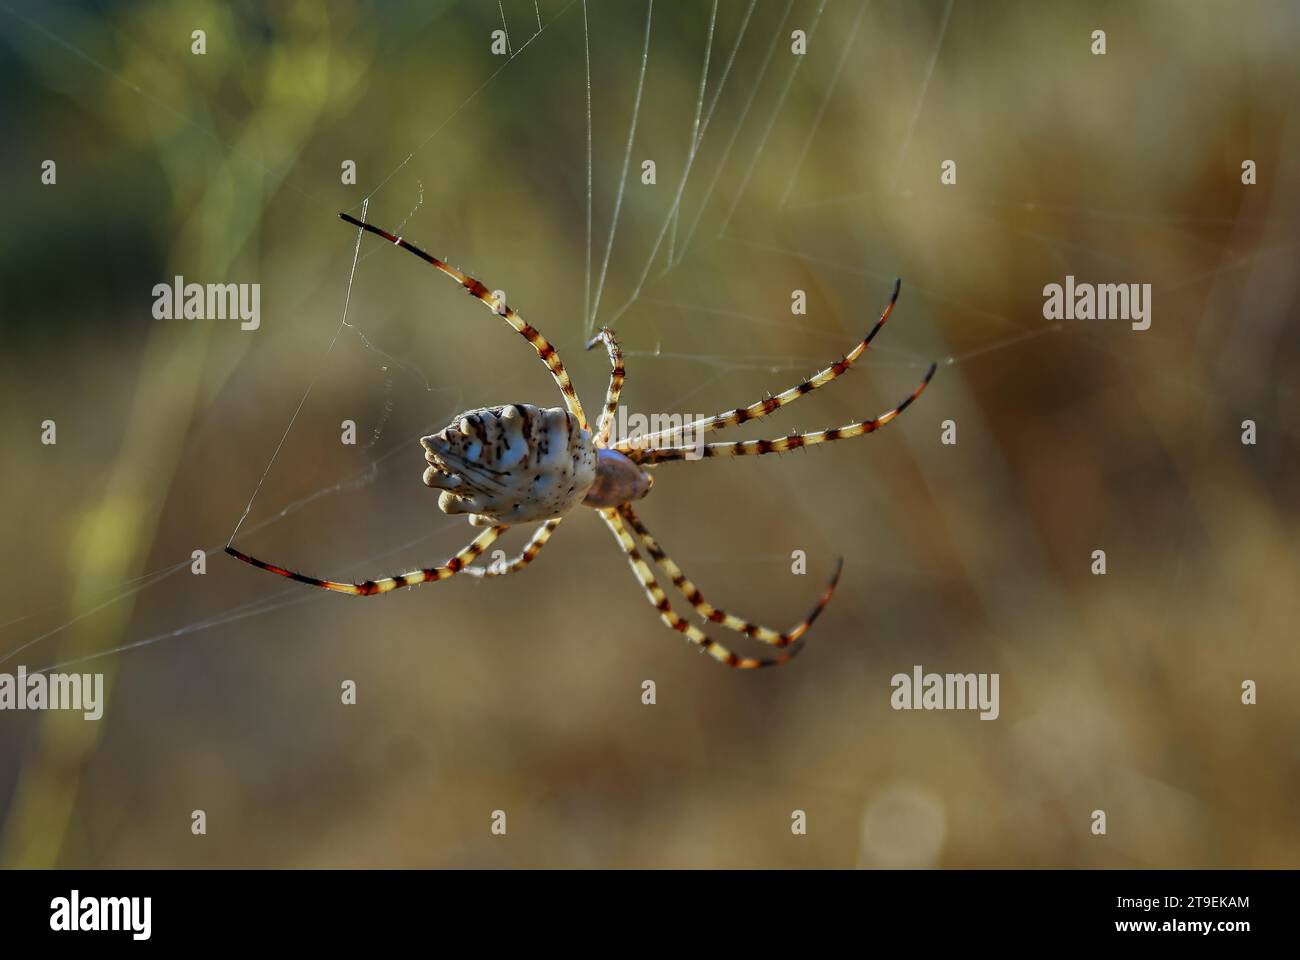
(818, 172)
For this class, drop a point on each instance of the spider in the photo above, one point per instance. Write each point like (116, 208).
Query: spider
(524, 464)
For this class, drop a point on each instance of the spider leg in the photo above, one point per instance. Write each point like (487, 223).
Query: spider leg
(740, 448)
(478, 289)
(525, 557)
(616, 378)
(706, 610)
(763, 407)
(659, 600)
(370, 588)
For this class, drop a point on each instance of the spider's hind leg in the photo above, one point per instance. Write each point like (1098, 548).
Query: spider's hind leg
(480, 291)
(659, 600)
(369, 588)
(531, 549)
(707, 611)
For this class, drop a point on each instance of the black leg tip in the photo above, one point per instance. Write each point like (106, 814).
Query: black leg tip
(240, 556)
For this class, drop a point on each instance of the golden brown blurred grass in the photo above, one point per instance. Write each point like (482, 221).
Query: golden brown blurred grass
(1118, 693)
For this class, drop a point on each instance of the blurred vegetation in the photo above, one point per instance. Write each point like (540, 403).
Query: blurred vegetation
(1118, 693)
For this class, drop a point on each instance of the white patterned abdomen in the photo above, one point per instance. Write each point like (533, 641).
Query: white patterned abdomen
(511, 464)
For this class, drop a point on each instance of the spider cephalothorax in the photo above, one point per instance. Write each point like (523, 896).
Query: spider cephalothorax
(521, 463)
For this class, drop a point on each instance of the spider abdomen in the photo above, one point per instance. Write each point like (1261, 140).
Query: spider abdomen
(510, 464)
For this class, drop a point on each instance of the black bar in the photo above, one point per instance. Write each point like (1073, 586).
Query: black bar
(977, 909)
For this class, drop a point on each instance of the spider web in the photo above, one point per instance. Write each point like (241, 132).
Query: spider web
(761, 113)
(695, 273)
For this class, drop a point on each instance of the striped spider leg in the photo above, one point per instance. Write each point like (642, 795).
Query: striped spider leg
(762, 408)
(712, 614)
(793, 441)
(479, 290)
(371, 588)
(616, 378)
(531, 549)
(659, 600)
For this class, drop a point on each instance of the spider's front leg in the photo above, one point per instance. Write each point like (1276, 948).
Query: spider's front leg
(769, 405)
(793, 441)
(616, 377)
